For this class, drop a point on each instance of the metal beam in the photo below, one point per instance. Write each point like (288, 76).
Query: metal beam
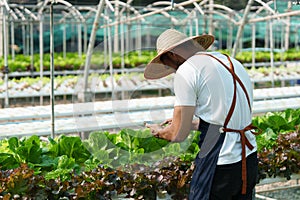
(280, 15)
(152, 13)
(241, 28)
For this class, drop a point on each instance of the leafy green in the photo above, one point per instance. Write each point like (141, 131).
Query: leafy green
(65, 165)
(132, 59)
(29, 150)
(132, 163)
(282, 159)
(266, 140)
(8, 161)
(275, 123)
(70, 146)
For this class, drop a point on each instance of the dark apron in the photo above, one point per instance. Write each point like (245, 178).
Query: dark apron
(205, 166)
(211, 141)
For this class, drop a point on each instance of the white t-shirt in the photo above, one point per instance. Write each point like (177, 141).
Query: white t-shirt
(203, 82)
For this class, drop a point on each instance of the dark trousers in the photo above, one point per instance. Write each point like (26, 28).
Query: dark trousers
(227, 181)
(220, 182)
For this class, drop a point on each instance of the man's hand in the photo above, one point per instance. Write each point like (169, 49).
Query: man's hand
(154, 128)
(167, 122)
(178, 128)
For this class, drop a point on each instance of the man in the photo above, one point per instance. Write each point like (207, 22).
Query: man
(217, 90)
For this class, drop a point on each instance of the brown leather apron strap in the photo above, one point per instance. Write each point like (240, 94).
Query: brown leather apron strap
(235, 77)
(244, 141)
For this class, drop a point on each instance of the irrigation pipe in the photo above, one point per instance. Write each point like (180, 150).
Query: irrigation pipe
(263, 197)
(280, 188)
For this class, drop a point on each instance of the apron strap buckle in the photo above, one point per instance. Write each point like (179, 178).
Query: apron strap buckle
(221, 130)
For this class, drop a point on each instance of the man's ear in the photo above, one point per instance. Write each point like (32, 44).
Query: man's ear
(172, 55)
(169, 53)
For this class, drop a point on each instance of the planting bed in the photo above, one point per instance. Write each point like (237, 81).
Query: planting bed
(72, 61)
(130, 163)
(105, 115)
(71, 85)
(286, 73)
(279, 189)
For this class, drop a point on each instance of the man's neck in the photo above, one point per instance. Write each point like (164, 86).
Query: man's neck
(188, 52)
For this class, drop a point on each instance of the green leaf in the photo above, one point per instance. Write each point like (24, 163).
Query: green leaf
(139, 151)
(153, 144)
(135, 143)
(8, 161)
(63, 174)
(113, 139)
(123, 158)
(276, 121)
(73, 148)
(34, 151)
(27, 150)
(126, 139)
(102, 156)
(53, 148)
(292, 116)
(96, 141)
(52, 141)
(266, 140)
(13, 144)
(173, 149)
(48, 163)
(65, 162)
(91, 164)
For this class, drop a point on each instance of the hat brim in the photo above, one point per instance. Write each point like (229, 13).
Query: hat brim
(155, 69)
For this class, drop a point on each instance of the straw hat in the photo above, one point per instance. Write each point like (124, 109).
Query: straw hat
(168, 40)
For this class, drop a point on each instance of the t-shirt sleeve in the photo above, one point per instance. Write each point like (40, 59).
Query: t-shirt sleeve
(184, 86)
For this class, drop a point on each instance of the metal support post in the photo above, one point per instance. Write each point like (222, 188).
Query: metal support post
(90, 49)
(253, 44)
(6, 70)
(52, 71)
(272, 52)
(241, 28)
